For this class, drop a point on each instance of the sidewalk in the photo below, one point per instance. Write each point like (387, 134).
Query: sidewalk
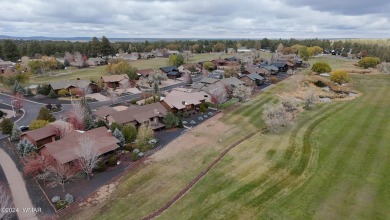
(18, 187)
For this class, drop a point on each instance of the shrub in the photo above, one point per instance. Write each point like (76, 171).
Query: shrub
(101, 123)
(276, 118)
(202, 107)
(101, 166)
(29, 92)
(273, 79)
(43, 89)
(134, 156)
(55, 199)
(339, 76)
(69, 198)
(35, 124)
(16, 133)
(129, 132)
(134, 101)
(145, 134)
(186, 115)
(115, 125)
(63, 93)
(6, 126)
(52, 95)
(128, 147)
(112, 161)
(61, 204)
(321, 67)
(171, 120)
(369, 62)
(1, 114)
(180, 125)
(118, 134)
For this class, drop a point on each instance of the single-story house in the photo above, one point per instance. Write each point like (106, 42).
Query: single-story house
(282, 66)
(252, 79)
(219, 62)
(181, 101)
(103, 112)
(47, 134)
(271, 68)
(98, 61)
(41, 136)
(4, 65)
(217, 74)
(126, 56)
(208, 80)
(232, 59)
(233, 82)
(145, 72)
(190, 68)
(172, 72)
(85, 86)
(138, 115)
(115, 81)
(64, 150)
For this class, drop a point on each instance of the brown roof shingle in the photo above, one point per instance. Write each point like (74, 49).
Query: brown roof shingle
(64, 150)
(139, 114)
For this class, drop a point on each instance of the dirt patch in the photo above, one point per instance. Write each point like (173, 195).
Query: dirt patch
(101, 195)
(193, 138)
(322, 88)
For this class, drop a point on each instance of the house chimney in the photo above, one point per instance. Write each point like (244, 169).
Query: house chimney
(183, 102)
(109, 133)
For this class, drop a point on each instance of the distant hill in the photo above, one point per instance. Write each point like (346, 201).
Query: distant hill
(43, 38)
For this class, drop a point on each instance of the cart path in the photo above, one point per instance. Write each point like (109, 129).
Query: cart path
(17, 185)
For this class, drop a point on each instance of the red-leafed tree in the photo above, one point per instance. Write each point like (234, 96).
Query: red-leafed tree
(76, 116)
(18, 101)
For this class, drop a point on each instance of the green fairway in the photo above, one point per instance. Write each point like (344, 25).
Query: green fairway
(334, 166)
(331, 164)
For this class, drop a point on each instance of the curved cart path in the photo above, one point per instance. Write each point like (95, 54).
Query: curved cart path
(17, 185)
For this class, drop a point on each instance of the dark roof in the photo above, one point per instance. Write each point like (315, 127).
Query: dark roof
(168, 69)
(279, 64)
(255, 76)
(173, 73)
(269, 67)
(232, 59)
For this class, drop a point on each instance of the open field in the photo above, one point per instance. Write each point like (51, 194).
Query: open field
(92, 73)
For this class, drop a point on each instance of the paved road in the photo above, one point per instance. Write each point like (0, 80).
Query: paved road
(18, 187)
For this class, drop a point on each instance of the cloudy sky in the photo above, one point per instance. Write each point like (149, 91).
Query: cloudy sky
(196, 18)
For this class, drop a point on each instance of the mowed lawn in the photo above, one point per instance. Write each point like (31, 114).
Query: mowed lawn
(334, 165)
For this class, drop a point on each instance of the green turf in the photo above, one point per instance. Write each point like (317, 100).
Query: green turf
(338, 168)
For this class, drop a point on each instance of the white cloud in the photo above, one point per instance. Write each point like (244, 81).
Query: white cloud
(194, 18)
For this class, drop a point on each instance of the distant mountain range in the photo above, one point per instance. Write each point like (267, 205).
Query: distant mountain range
(43, 38)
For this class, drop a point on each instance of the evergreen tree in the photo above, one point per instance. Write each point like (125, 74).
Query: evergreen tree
(118, 134)
(95, 47)
(10, 51)
(25, 147)
(6, 126)
(16, 133)
(106, 48)
(46, 115)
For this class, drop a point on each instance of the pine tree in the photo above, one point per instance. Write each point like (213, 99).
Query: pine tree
(118, 134)
(16, 133)
(25, 147)
(45, 114)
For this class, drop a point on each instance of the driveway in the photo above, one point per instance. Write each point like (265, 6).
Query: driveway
(98, 96)
(17, 185)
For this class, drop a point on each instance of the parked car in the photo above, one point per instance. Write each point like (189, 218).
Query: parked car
(24, 128)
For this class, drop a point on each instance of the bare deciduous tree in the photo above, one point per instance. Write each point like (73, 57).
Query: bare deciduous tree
(309, 100)
(76, 116)
(59, 173)
(276, 117)
(5, 202)
(87, 154)
(242, 92)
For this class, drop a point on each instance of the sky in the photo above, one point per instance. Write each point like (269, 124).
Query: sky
(196, 18)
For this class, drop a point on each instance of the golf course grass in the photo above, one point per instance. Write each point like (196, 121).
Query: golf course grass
(332, 163)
